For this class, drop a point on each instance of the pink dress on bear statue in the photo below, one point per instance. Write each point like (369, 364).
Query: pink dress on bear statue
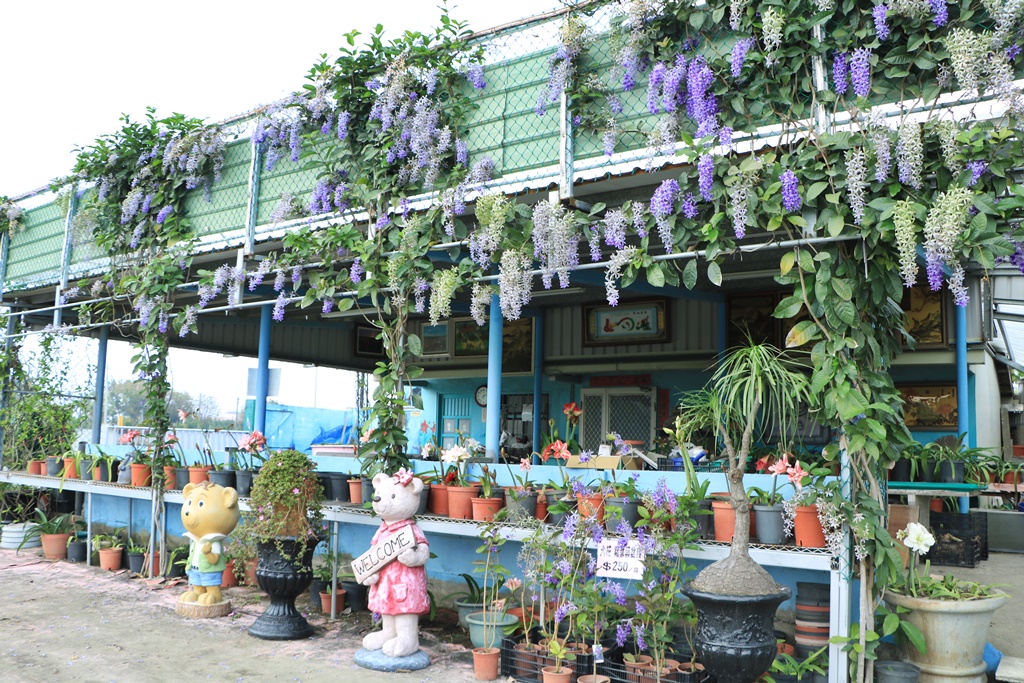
(399, 589)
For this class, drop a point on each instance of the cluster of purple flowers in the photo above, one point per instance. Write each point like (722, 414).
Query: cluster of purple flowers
(706, 176)
(860, 71)
(941, 12)
(739, 56)
(279, 306)
(560, 69)
(663, 206)
(701, 104)
(280, 128)
(977, 169)
(840, 73)
(881, 28)
(329, 195)
(475, 75)
(790, 192)
(256, 277)
(355, 271)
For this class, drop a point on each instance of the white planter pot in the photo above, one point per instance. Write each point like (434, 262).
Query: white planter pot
(955, 632)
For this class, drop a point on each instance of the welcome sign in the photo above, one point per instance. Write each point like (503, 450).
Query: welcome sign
(382, 554)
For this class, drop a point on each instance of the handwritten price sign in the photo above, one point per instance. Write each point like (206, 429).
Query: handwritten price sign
(616, 562)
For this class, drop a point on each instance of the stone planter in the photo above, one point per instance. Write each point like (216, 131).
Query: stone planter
(954, 631)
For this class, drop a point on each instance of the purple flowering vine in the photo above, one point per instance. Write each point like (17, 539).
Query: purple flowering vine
(840, 73)
(860, 71)
(739, 56)
(790, 191)
(881, 28)
(706, 176)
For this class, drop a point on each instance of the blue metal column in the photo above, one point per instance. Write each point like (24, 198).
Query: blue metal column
(538, 377)
(963, 403)
(101, 382)
(263, 369)
(494, 343)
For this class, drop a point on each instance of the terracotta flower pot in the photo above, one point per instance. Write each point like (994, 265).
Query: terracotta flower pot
(355, 490)
(551, 675)
(593, 678)
(438, 500)
(110, 559)
(542, 508)
(339, 601)
(55, 546)
(807, 529)
(591, 505)
(725, 520)
(142, 475)
(70, 468)
(459, 497)
(485, 663)
(227, 579)
(197, 475)
(170, 478)
(485, 508)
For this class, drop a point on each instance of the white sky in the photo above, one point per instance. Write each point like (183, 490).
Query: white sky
(69, 69)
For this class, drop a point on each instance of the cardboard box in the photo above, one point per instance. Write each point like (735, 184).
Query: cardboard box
(606, 462)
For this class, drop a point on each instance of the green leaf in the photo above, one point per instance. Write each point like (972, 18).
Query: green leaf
(835, 226)
(715, 274)
(803, 332)
(690, 274)
(789, 307)
(786, 262)
(913, 635)
(842, 288)
(415, 345)
(985, 204)
(655, 275)
(847, 312)
(814, 190)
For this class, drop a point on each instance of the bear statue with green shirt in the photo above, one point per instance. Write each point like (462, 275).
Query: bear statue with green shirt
(209, 513)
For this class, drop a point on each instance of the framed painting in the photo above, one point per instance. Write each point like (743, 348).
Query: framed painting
(470, 339)
(925, 317)
(367, 344)
(434, 339)
(631, 322)
(750, 315)
(929, 406)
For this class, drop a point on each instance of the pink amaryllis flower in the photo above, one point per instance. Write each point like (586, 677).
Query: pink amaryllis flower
(252, 442)
(781, 466)
(796, 473)
(130, 436)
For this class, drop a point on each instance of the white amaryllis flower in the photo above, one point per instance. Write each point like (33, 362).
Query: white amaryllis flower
(455, 454)
(918, 538)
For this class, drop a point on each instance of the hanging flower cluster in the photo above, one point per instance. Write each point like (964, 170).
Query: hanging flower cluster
(572, 39)
(493, 211)
(879, 134)
(279, 132)
(910, 155)
(773, 21)
(905, 226)
(943, 229)
(10, 216)
(555, 242)
(442, 291)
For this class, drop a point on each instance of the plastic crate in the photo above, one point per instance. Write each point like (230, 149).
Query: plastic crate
(619, 673)
(525, 666)
(972, 528)
(950, 551)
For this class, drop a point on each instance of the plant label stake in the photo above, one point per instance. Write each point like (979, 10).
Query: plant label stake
(383, 553)
(626, 562)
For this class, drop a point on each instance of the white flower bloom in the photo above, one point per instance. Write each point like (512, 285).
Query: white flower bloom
(918, 538)
(455, 454)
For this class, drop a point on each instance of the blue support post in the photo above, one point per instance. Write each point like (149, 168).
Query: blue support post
(101, 381)
(263, 369)
(962, 389)
(538, 377)
(494, 343)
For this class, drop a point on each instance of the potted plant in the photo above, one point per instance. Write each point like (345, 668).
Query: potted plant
(324, 575)
(284, 519)
(520, 498)
(622, 503)
(487, 625)
(812, 669)
(768, 508)
(110, 548)
(177, 558)
(945, 619)
(460, 489)
(136, 556)
(52, 532)
(78, 548)
(753, 386)
(104, 467)
(488, 502)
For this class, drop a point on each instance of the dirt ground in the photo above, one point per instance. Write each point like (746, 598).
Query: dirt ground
(68, 622)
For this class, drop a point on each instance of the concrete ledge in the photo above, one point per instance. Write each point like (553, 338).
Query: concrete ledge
(1011, 670)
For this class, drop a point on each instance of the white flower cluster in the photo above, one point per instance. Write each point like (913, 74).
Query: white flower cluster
(945, 222)
(880, 136)
(773, 21)
(738, 194)
(555, 242)
(1008, 15)
(914, 9)
(856, 182)
(999, 82)
(479, 301)
(910, 155)
(661, 139)
(737, 8)
(967, 53)
(616, 264)
(947, 140)
(831, 519)
(515, 283)
(905, 223)
(492, 211)
(956, 285)
(442, 290)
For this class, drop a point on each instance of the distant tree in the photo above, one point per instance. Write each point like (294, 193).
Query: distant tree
(127, 398)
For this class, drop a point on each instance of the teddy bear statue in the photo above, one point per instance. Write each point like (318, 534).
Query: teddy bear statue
(394, 569)
(209, 513)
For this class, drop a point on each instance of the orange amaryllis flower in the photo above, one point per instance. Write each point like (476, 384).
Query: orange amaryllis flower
(762, 464)
(557, 448)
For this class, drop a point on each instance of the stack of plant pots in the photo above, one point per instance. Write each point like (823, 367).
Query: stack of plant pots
(812, 617)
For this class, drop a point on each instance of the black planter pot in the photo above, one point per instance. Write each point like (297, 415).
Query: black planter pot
(243, 482)
(180, 477)
(283, 574)
(225, 478)
(735, 633)
(54, 466)
(355, 595)
(316, 587)
(175, 570)
(135, 562)
(326, 482)
(339, 485)
(900, 470)
(705, 520)
(78, 551)
(951, 472)
(367, 489)
(629, 510)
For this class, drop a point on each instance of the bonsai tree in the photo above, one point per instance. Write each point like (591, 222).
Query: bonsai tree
(755, 387)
